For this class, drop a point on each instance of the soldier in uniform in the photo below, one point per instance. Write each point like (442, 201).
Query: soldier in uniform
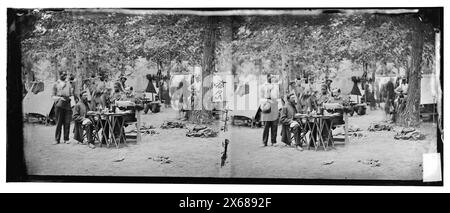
(62, 91)
(269, 96)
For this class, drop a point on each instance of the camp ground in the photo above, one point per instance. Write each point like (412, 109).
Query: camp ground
(285, 95)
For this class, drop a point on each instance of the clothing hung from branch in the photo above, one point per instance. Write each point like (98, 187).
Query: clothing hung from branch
(38, 87)
(355, 89)
(150, 87)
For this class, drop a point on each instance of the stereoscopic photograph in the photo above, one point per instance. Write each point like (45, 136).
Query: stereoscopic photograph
(230, 94)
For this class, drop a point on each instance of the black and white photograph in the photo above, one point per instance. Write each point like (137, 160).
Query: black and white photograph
(289, 94)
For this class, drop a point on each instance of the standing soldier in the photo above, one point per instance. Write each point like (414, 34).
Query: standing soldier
(389, 95)
(62, 90)
(269, 110)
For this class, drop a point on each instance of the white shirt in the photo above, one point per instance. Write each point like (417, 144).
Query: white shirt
(402, 88)
(270, 90)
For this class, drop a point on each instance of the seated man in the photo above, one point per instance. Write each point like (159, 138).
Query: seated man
(401, 91)
(403, 87)
(324, 97)
(288, 124)
(119, 95)
(81, 121)
(336, 96)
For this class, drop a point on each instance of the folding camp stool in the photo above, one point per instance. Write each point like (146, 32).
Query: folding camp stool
(95, 128)
(96, 124)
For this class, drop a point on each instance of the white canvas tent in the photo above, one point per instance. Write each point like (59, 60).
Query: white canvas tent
(429, 89)
(40, 103)
(175, 81)
(245, 99)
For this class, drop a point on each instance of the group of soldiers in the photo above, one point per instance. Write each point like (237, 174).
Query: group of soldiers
(95, 94)
(395, 97)
(302, 97)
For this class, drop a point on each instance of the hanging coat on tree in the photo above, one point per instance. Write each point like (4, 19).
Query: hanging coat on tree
(355, 89)
(38, 87)
(150, 86)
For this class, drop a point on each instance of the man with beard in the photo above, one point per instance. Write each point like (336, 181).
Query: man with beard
(82, 122)
(62, 90)
(288, 124)
(99, 90)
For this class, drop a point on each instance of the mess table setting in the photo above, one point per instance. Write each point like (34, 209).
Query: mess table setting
(105, 123)
(109, 124)
(317, 128)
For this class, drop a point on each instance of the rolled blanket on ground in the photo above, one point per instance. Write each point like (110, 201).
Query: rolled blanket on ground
(202, 131)
(172, 124)
(409, 134)
(380, 127)
(340, 130)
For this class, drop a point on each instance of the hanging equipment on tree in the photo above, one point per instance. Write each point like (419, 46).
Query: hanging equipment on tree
(150, 88)
(355, 89)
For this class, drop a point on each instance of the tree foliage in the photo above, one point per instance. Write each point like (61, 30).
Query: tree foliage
(322, 42)
(98, 42)
(315, 44)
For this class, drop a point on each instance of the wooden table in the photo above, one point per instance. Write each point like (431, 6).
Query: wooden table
(111, 120)
(317, 124)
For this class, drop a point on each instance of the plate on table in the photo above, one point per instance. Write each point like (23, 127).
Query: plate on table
(300, 115)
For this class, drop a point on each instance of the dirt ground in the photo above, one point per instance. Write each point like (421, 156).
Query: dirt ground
(200, 157)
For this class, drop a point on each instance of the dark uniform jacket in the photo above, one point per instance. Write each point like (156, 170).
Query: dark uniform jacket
(79, 114)
(286, 117)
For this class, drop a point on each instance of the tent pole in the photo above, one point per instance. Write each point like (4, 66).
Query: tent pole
(138, 124)
(346, 127)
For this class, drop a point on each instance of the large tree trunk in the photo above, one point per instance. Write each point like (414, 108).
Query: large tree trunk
(284, 75)
(410, 116)
(228, 54)
(79, 71)
(208, 62)
(228, 38)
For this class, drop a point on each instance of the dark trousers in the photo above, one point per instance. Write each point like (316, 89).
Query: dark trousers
(63, 118)
(296, 132)
(273, 126)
